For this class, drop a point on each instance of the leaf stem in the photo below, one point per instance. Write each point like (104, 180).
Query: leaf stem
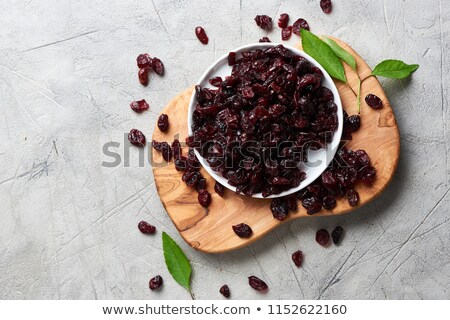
(351, 88)
(358, 97)
(192, 295)
(370, 75)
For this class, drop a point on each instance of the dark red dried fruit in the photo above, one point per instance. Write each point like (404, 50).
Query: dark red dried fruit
(158, 66)
(156, 145)
(225, 291)
(163, 122)
(201, 35)
(312, 204)
(264, 39)
(242, 230)
(257, 284)
(216, 81)
(297, 257)
(155, 283)
(191, 178)
(286, 33)
(322, 237)
(326, 6)
(231, 58)
(204, 198)
(329, 203)
(181, 163)
(220, 189)
(144, 61)
(367, 175)
(353, 123)
(143, 76)
(353, 197)
(300, 24)
(264, 22)
(139, 106)
(201, 185)
(136, 137)
(166, 151)
(176, 149)
(146, 227)
(283, 21)
(336, 234)
(291, 203)
(279, 208)
(373, 101)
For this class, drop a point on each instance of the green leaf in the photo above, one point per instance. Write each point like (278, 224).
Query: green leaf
(320, 51)
(341, 52)
(394, 69)
(176, 261)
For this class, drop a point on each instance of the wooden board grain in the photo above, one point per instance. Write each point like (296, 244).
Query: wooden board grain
(209, 230)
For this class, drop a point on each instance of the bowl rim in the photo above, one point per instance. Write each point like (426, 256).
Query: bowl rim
(336, 137)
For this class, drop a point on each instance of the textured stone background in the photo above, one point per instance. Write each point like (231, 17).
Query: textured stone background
(68, 225)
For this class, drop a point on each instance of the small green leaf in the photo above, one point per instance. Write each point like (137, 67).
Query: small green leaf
(177, 263)
(394, 69)
(320, 51)
(341, 52)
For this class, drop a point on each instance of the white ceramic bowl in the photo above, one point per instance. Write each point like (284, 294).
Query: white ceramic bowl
(318, 160)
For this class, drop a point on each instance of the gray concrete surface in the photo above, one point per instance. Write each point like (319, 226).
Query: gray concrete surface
(68, 225)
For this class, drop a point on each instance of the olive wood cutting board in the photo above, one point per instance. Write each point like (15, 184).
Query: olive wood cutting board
(209, 229)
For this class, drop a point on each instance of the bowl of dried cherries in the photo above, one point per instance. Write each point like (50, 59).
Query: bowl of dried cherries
(265, 120)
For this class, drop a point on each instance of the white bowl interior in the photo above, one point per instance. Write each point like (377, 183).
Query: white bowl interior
(318, 160)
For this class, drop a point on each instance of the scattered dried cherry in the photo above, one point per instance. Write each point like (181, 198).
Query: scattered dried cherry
(279, 208)
(367, 175)
(264, 39)
(300, 24)
(353, 123)
(136, 137)
(155, 283)
(336, 234)
(257, 284)
(163, 122)
(353, 197)
(225, 291)
(146, 227)
(286, 33)
(166, 151)
(220, 189)
(312, 204)
(201, 35)
(181, 163)
(158, 66)
(144, 61)
(297, 257)
(322, 237)
(242, 230)
(264, 22)
(201, 185)
(291, 202)
(373, 101)
(139, 106)
(204, 198)
(283, 21)
(156, 145)
(326, 6)
(143, 76)
(329, 203)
